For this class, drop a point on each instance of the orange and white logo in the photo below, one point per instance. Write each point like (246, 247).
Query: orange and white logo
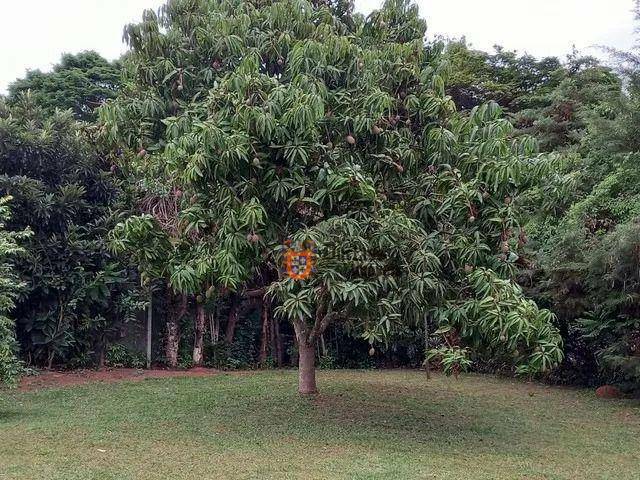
(299, 263)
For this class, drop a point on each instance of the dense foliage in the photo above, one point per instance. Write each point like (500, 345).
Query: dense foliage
(583, 224)
(513, 81)
(76, 293)
(234, 130)
(10, 286)
(80, 83)
(592, 253)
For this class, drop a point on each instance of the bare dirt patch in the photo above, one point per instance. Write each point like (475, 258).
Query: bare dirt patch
(53, 379)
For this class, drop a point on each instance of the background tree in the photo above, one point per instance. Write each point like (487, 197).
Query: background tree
(514, 81)
(558, 116)
(591, 254)
(546, 98)
(77, 294)
(587, 243)
(79, 82)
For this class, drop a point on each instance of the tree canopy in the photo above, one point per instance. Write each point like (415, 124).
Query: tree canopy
(80, 83)
(261, 122)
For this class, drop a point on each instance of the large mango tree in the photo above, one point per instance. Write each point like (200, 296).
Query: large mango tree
(304, 122)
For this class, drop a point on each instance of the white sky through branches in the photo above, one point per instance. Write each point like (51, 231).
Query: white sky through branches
(35, 33)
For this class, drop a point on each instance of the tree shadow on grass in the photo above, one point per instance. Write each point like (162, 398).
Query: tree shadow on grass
(366, 416)
(12, 416)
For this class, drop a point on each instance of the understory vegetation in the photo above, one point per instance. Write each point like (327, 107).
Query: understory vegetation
(463, 210)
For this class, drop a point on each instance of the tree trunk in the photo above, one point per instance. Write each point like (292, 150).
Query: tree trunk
(293, 360)
(149, 328)
(265, 335)
(173, 329)
(173, 340)
(427, 367)
(214, 326)
(307, 368)
(232, 320)
(101, 356)
(306, 360)
(279, 345)
(323, 346)
(273, 344)
(198, 342)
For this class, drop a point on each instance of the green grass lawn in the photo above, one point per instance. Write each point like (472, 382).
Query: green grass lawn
(364, 424)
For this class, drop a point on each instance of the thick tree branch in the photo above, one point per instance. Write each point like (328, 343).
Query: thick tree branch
(321, 325)
(258, 292)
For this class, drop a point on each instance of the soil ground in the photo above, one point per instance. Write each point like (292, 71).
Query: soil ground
(55, 379)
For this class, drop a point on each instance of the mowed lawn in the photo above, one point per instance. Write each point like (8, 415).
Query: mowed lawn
(364, 425)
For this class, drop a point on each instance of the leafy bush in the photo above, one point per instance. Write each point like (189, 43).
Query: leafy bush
(10, 366)
(616, 344)
(77, 293)
(119, 356)
(327, 362)
(453, 360)
(229, 357)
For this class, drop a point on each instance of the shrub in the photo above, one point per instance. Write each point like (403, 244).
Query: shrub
(119, 356)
